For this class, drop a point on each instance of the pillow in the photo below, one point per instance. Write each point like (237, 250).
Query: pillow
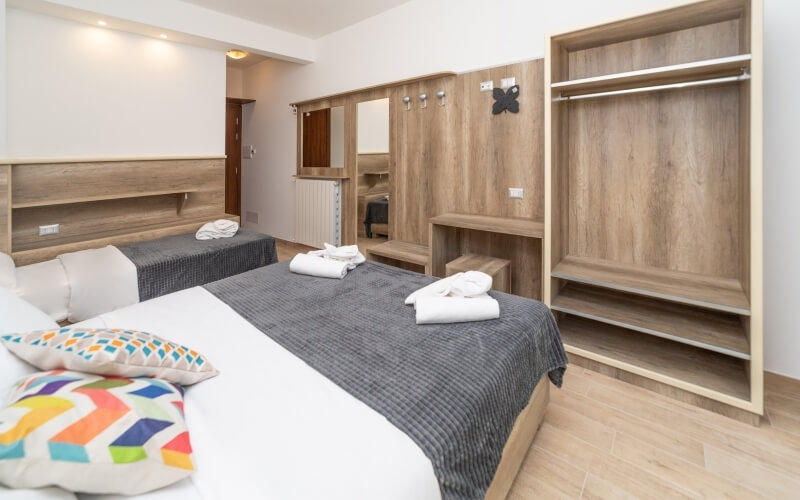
(16, 315)
(46, 286)
(110, 351)
(8, 271)
(94, 434)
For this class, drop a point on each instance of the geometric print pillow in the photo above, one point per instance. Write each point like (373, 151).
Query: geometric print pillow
(110, 351)
(94, 434)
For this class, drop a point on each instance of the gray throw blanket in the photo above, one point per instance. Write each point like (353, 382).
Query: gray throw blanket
(174, 263)
(456, 390)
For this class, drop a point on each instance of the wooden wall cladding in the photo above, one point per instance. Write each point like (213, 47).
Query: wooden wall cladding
(98, 200)
(462, 158)
(5, 208)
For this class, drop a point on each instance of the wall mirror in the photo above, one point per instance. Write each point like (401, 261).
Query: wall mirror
(323, 138)
(373, 168)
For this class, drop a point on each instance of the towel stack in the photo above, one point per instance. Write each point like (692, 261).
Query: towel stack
(222, 228)
(458, 298)
(331, 262)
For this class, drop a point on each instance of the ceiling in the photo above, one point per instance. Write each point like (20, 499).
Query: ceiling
(308, 18)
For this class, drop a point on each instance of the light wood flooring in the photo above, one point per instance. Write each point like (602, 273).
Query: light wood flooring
(603, 438)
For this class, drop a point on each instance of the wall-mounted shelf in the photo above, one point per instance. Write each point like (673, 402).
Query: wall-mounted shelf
(709, 330)
(323, 177)
(503, 225)
(238, 100)
(395, 251)
(182, 195)
(696, 70)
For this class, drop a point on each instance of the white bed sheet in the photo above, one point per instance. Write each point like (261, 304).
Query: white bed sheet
(269, 426)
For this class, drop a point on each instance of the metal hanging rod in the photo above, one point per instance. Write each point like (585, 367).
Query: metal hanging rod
(680, 85)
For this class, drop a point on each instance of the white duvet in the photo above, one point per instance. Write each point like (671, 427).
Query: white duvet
(269, 426)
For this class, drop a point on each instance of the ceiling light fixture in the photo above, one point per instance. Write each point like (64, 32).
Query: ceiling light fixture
(101, 22)
(236, 54)
(163, 36)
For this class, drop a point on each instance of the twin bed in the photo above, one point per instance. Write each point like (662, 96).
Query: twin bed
(317, 399)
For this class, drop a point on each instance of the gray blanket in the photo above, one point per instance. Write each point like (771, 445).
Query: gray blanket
(173, 263)
(456, 390)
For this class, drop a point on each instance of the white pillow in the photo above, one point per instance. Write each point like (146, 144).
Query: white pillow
(8, 271)
(46, 286)
(16, 315)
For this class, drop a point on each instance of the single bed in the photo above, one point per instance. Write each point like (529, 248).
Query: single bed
(315, 401)
(376, 217)
(80, 285)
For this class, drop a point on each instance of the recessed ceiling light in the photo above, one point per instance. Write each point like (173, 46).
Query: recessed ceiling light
(236, 54)
(163, 36)
(101, 22)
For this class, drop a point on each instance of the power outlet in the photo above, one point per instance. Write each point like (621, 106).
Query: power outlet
(487, 86)
(516, 193)
(50, 229)
(251, 217)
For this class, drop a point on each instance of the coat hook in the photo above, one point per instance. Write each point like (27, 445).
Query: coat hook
(440, 95)
(424, 99)
(407, 100)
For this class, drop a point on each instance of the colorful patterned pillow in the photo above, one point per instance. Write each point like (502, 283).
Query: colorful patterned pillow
(94, 434)
(127, 353)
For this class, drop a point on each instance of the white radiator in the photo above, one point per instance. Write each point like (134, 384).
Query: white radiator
(317, 212)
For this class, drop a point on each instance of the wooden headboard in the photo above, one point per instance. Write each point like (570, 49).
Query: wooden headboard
(97, 202)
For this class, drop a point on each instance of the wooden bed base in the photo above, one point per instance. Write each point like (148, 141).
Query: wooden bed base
(519, 441)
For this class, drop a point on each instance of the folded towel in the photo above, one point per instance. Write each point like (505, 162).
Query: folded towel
(432, 310)
(439, 288)
(470, 284)
(222, 228)
(348, 254)
(316, 266)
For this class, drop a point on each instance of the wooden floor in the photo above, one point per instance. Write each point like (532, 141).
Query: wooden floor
(603, 438)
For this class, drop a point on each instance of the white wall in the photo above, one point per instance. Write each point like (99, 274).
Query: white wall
(75, 90)
(462, 35)
(373, 126)
(233, 82)
(3, 129)
(337, 137)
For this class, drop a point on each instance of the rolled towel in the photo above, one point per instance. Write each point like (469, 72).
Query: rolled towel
(316, 266)
(349, 254)
(471, 284)
(431, 310)
(222, 228)
(439, 288)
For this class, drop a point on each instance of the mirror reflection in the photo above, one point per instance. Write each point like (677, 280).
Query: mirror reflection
(323, 138)
(373, 168)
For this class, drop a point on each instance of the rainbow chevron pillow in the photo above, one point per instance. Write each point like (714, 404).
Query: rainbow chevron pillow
(110, 351)
(94, 434)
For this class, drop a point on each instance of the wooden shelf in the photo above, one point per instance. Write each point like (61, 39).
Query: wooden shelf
(402, 251)
(721, 294)
(698, 70)
(503, 225)
(238, 100)
(104, 197)
(49, 248)
(324, 177)
(702, 372)
(710, 330)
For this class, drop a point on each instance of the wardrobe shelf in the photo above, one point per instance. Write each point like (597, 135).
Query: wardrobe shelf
(710, 292)
(401, 251)
(492, 224)
(702, 372)
(677, 73)
(103, 197)
(709, 330)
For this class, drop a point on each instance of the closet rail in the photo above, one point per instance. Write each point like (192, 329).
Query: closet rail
(679, 85)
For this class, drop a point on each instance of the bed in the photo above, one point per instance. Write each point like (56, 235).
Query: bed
(80, 285)
(376, 217)
(315, 402)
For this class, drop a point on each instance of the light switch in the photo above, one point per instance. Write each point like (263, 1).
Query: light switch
(507, 83)
(516, 193)
(49, 229)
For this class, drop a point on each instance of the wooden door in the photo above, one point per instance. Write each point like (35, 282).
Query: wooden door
(317, 138)
(233, 162)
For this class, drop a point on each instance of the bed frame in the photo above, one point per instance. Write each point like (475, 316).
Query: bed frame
(519, 441)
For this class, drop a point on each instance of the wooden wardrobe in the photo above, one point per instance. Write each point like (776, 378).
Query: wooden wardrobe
(653, 180)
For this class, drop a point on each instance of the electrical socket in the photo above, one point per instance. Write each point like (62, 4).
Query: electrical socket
(516, 193)
(487, 86)
(49, 229)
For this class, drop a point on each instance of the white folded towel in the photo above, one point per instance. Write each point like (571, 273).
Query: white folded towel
(439, 288)
(315, 266)
(348, 254)
(470, 284)
(432, 310)
(222, 228)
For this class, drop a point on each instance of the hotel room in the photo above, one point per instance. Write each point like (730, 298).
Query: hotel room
(399, 249)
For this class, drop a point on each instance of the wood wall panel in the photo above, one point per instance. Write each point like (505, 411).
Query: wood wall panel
(655, 180)
(676, 47)
(5, 208)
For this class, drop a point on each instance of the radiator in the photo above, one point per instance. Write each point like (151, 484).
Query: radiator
(317, 209)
